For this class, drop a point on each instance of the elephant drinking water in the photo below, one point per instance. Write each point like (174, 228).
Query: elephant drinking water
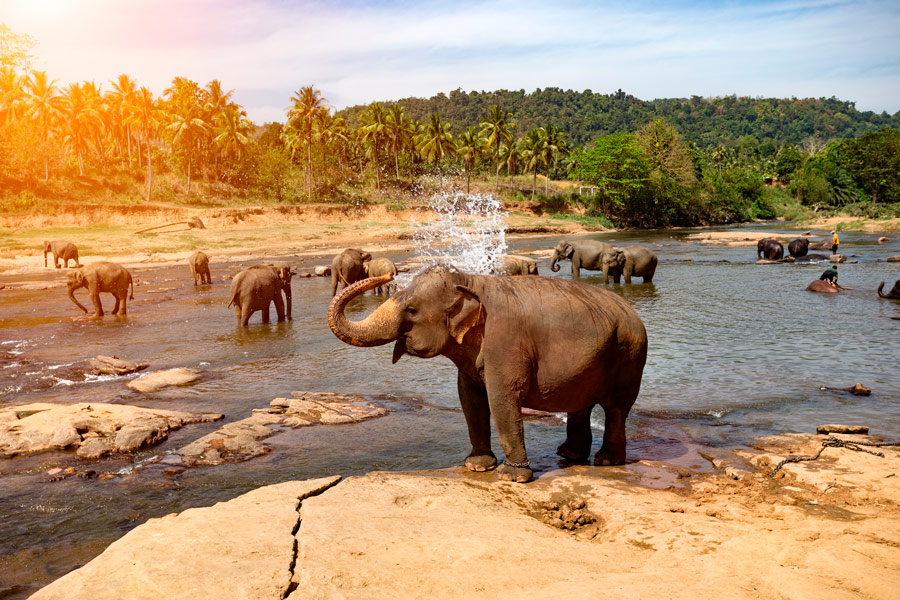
(100, 277)
(535, 342)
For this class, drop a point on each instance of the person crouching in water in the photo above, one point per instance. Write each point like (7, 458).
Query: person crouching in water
(831, 276)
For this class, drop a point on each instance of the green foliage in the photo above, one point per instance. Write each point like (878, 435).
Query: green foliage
(597, 221)
(787, 161)
(873, 161)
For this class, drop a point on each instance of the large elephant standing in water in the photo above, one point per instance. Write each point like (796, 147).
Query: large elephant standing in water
(894, 294)
(347, 268)
(584, 254)
(254, 288)
(61, 250)
(769, 249)
(535, 342)
(101, 277)
(797, 248)
(629, 261)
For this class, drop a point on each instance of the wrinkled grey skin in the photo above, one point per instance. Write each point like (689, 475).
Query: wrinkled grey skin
(254, 288)
(105, 277)
(61, 250)
(536, 342)
(378, 267)
(798, 247)
(769, 249)
(584, 254)
(637, 261)
(347, 268)
(894, 294)
(199, 262)
(518, 265)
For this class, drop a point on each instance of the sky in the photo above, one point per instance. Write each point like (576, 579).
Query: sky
(356, 51)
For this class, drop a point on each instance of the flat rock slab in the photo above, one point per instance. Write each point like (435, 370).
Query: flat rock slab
(825, 429)
(240, 440)
(113, 365)
(895, 258)
(94, 429)
(153, 382)
(242, 549)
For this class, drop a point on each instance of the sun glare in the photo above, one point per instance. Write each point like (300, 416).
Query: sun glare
(44, 8)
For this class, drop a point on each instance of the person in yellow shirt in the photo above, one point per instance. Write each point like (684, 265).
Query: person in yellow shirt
(835, 242)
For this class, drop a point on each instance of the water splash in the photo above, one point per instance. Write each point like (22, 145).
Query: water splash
(468, 232)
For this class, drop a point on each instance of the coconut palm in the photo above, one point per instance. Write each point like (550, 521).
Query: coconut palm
(232, 131)
(400, 131)
(122, 98)
(309, 106)
(471, 146)
(535, 153)
(79, 120)
(498, 129)
(556, 147)
(435, 141)
(214, 100)
(146, 118)
(511, 156)
(372, 132)
(186, 122)
(43, 105)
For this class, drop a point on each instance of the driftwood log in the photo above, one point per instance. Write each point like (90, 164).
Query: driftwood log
(194, 223)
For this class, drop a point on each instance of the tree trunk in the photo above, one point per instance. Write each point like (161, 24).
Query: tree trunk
(397, 162)
(189, 175)
(497, 184)
(149, 172)
(533, 183)
(309, 162)
(377, 170)
(128, 134)
(547, 185)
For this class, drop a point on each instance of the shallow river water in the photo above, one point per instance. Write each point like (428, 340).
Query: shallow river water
(736, 350)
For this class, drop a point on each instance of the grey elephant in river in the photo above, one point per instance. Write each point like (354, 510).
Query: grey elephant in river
(199, 262)
(798, 247)
(518, 265)
(629, 261)
(254, 288)
(769, 249)
(378, 267)
(894, 294)
(61, 250)
(347, 268)
(584, 347)
(105, 277)
(584, 254)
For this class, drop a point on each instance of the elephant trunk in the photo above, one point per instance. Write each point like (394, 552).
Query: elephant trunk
(553, 263)
(881, 287)
(74, 299)
(379, 328)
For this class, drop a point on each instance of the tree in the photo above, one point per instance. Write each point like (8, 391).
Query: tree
(146, 117)
(787, 161)
(400, 132)
(435, 140)
(187, 124)
(873, 160)
(556, 147)
(15, 50)
(536, 153)
(43, 106)
(123, 91)
(617, 165)
(471, 146)
(79, 118)
(497, 128)
(232, 131)
(372, 132)
(309, 107)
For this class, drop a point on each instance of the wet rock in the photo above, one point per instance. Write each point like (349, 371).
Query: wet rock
(895, 258)
(883, 239)
(240, 549)
(322, 271)
(240, 440)
(113, 365)
(837, 258)
(857, 389)
(153, 382)
(95, 429)
(825, 429)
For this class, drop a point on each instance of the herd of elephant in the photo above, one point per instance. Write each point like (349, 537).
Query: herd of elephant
(771, 249)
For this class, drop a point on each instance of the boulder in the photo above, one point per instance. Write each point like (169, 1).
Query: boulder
(895, 258)
(837, 258)
(153, 382)
(113, 365)
(95, 429)
(883, 239)
(322, 271)
(857, 389)
(825, 429)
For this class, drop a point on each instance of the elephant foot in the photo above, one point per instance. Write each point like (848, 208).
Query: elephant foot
(569, 453)
(483, 462)
(519, 474)
(609, 455)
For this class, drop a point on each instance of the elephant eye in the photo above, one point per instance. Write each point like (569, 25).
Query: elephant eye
(411, 311)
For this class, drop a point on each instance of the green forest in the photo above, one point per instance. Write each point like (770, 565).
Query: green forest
(633, 163)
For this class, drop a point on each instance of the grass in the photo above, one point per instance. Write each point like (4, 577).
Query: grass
(598, 222)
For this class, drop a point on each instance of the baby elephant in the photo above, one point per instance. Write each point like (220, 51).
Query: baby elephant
(378, 267)
(254, 288)
(629, 261)
(101, 277)
(518, 265)
(200, 267)
(61, 250)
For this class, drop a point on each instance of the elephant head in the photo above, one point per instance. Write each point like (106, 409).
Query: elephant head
(614, 258)
(760, 247)
(46, 250)
(423, 319)
(563, 250)
(75, 280)
(894, 294)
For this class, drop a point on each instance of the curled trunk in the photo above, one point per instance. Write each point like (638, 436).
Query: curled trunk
(553, 263)
(75, 300)
(379, 328)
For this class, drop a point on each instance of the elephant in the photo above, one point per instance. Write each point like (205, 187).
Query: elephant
(61, 250)
(812, 257)
(518, 265)
(517, 342)
(101, 277)
(584, 254)
(894, 294)
(254, 288)
(199, 262)
(798, 247)
(629, 260)
(347, 268)
(378, 267)
(769, 249)
(820, 285)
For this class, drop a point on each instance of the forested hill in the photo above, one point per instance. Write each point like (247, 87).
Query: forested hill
(704, 121)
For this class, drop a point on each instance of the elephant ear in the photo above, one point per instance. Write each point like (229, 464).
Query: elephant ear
(465, 313)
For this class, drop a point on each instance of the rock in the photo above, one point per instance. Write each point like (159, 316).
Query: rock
(858, 389)
(113, 365)
(153, 382)
(824, 429)
(883, 239)
(837, 258)
(895, 258)
(322, 271)
(240, 440)
(241, 549)
(96, 429)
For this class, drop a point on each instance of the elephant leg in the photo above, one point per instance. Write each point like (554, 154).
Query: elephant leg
(505, 409)
(627, 275)
(56, 261)
(576, 270)
(246, 313)
(124, 310)
(288, 302)
(115, 309)
(279, 305)
(616, 407)
(265, 313)
(577, 446)
(95, 300)
(478, 418)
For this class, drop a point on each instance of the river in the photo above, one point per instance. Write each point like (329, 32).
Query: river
(736, 350)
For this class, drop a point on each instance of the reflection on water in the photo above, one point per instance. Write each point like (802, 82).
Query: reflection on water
(736, 350)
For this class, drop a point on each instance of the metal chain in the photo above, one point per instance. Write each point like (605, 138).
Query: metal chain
(833, 442)
(521, 465)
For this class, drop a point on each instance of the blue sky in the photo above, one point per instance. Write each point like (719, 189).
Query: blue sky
(356, 51)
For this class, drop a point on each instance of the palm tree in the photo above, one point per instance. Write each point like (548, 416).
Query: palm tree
(187, 124)
(146, 117)
(400, 133)
(556, 145)
(335, 133)
(497, 128)
(123, 91)
(534, 146)
(12, 94)
(373, 129)
(511, 156)
(232, 131)
(215, 100)
(435, 140)
(309, 106)
(43, 104)
(471, 146)
(79, 119)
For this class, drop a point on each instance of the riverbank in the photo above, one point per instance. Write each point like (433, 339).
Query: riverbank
(650, 529)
